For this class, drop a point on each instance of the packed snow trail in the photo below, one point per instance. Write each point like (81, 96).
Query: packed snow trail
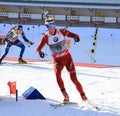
(101, 86)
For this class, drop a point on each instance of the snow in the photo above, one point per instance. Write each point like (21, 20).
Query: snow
(100, 84)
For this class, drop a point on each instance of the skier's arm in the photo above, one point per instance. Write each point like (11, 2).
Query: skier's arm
(70, 34)
(44, 40)
(24, 37)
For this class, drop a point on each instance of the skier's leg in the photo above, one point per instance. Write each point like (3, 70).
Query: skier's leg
(22, 46)
(72, 71)
(57, 69)
(7, 47)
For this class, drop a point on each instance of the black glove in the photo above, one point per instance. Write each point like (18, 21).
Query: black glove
(77, 39)
(42, 55)
(31, 43)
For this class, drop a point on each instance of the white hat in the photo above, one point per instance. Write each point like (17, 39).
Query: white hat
(49, 20)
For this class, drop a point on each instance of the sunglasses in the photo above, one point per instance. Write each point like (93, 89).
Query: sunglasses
(50, 25)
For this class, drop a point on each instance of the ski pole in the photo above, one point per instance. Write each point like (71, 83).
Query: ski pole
(85, 51)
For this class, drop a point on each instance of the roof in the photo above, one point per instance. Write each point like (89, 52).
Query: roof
(61, 10)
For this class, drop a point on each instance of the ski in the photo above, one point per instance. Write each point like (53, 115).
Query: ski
(2, 63)
(55, 105)
(89, 104)
(15, 63)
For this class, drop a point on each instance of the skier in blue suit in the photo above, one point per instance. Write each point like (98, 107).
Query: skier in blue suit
(12, 39)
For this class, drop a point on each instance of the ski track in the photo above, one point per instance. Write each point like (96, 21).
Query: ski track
(104, 84)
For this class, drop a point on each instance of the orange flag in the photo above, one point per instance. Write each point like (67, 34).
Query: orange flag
(12, 87)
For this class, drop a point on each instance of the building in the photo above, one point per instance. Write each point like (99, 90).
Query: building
(90, 13)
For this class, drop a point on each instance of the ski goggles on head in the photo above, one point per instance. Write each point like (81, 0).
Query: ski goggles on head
(50, 25)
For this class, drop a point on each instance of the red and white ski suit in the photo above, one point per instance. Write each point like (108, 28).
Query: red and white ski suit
(61, 56)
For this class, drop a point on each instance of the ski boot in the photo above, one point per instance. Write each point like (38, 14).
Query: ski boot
(83, 96)
(0, 60)
(21, 61)
(66, 97)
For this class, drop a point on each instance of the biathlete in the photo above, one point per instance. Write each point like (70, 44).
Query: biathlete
(11, 38)
(55, 39)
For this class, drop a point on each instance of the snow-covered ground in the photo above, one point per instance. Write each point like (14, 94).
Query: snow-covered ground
(102, 86)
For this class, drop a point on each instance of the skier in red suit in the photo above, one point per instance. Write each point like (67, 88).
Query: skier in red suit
(55, 39)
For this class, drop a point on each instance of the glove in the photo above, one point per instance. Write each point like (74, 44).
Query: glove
(77, 39)
(42, 55)
(31, 43)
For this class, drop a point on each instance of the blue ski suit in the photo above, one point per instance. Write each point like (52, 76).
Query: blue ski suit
(12, 39)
